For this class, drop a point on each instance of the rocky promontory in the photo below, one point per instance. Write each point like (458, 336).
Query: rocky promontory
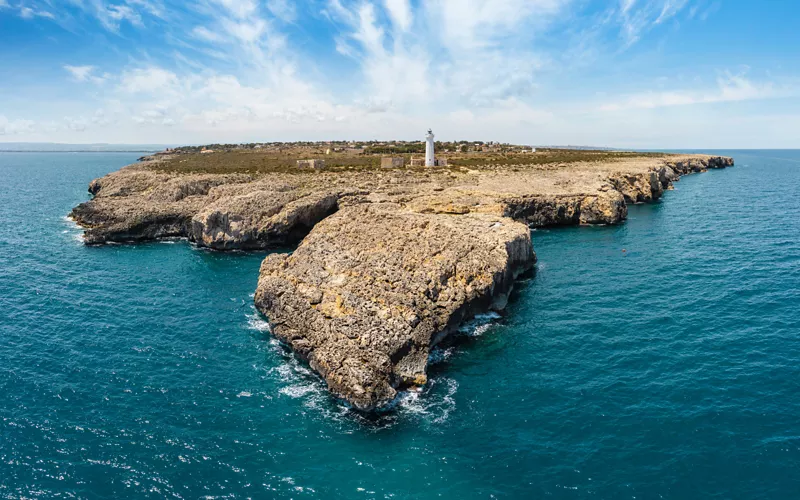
(389, 262)
(373, 287)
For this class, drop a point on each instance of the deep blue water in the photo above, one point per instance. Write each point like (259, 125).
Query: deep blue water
(656, 359)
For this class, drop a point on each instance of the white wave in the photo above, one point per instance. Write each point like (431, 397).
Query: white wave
(298, 390)
(257, 323)
(432, 403)
(244, 394)
(73, 229)
(479, 325)
(440, 355)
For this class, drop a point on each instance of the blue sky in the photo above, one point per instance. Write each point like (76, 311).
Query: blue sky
(623, 73)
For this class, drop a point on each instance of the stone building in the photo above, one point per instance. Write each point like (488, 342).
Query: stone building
(392, 162)
(421, 162)
(315, 164)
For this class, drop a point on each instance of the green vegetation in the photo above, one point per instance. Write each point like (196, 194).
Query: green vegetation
(418, 148)
(283, 159)
(252, 162)
(542, 157)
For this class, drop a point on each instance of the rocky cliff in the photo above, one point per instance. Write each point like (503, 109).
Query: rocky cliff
(373, 287)
(389, 262)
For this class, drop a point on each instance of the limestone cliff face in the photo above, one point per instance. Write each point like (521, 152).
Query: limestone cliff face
(373, 287)
(389, 263)
(605, 207)
(222, 212)
(250, 212)
(260, 219)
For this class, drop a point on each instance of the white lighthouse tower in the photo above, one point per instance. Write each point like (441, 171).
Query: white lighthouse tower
(429, 158)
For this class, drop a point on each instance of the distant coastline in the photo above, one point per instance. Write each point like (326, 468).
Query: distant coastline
(55, 147)
(79, 151)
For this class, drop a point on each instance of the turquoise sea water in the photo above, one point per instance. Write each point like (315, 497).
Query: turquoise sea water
(656, 359)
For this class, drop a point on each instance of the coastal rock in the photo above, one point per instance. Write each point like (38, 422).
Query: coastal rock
(120, 222)
(235, 211)
(720, 162)
(260, 219)
(373, 287)
(606, 208)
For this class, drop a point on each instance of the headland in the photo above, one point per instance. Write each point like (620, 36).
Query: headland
(391, 256)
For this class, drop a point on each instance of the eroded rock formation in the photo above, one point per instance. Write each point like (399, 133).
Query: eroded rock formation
(373, 287)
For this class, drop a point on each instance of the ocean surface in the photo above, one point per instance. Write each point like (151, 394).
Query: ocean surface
(655, 359)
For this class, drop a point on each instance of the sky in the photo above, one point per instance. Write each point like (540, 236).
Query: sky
(616, 73)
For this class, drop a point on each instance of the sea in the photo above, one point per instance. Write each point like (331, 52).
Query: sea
(659, 358)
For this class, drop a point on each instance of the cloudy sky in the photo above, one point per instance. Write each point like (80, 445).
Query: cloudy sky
(623, 73)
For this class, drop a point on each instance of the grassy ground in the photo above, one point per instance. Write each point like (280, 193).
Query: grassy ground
(257, 162)
(543, 157)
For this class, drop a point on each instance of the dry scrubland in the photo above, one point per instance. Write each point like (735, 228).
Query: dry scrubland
(389, 262)
(255, 162)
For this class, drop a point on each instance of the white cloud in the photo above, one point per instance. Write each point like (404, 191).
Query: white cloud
(239, 9)
(480, 24)
(148, 80)
(206, 34)
(85, 74)
(154, 8)
(459, 51)
(227, 70)
(626, 5)
(284, 10)
(400, 13)
(76, 124)
(80, 73)
(156, 116)
(13, 127)
(669, 9)
(29, 13)
(101, 118)
(247, 32)
(111, 16)
(115, 14)
(639, 17)
(730, 88)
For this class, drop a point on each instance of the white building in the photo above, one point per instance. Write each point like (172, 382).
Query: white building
(429, 158)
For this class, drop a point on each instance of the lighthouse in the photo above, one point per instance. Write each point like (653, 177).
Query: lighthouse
(429, 159)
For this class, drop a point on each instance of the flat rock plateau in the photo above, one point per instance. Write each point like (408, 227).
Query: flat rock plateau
(388, 262)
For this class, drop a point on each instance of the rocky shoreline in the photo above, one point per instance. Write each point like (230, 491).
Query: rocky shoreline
(389, 263)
